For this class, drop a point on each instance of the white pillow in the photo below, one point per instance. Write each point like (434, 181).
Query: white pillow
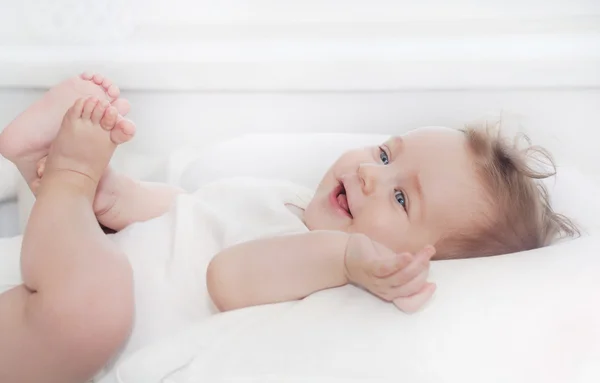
(301, 158)
(304, 158)
(519, 318)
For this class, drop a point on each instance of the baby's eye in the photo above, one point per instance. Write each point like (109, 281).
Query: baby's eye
(400, 198)
(383, 156)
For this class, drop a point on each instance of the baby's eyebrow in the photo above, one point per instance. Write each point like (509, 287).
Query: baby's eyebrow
(395, 142)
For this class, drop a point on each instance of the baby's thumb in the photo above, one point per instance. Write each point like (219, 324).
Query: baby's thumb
(392, 264)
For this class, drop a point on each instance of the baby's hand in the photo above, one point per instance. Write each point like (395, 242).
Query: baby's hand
(398, 278)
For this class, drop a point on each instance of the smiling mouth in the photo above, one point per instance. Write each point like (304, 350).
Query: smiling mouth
(342, 199)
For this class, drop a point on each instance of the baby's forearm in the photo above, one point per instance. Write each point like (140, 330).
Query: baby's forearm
(138, 201)
(277, 269)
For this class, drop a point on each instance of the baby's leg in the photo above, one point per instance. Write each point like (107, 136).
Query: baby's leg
(27, 139)
(76, 305)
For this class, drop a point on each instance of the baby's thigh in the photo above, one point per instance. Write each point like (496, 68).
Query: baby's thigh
(10, 263)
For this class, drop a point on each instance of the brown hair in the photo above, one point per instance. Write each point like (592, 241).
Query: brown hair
(519, 215)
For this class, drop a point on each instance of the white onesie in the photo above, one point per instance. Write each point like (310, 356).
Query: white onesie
(170, 254)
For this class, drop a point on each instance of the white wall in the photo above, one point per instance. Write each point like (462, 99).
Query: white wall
(51, 21)
(567, 121)
(309, 45)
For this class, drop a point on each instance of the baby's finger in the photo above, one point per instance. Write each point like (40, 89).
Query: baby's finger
(384, 267)
(417, 266)
(413, 303)
(413, 286)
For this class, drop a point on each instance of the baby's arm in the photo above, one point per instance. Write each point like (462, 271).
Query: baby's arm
(277, 269)
(294, 266)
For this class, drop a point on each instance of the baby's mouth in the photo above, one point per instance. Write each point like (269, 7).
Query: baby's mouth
(342, 199)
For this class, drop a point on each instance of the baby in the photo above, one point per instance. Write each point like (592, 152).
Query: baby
(377, 218)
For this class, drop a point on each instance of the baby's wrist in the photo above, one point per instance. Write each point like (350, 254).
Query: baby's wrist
(351, 242)
(332, 245)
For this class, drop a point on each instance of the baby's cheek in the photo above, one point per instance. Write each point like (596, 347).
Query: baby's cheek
(313, 217)
(385, 231)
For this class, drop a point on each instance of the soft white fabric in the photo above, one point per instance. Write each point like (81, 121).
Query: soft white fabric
(170, 254)
(299, 158)
(520, 318)
(10, 263)
(9, 219)
(9, 177)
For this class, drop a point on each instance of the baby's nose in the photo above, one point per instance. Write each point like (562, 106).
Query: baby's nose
(369, 176)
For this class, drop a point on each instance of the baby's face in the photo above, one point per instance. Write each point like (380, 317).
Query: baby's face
(405, 194)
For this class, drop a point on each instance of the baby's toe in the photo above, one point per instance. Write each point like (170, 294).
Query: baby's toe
(123, 106)
(97, 79)
(106, 83)
(99, 111)
(88, 108)
(113, 91)
(123, 132)
(109, 119)
(77, 108)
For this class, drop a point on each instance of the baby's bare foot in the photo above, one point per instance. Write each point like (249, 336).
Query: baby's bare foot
(27, 139)
(83, 145)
